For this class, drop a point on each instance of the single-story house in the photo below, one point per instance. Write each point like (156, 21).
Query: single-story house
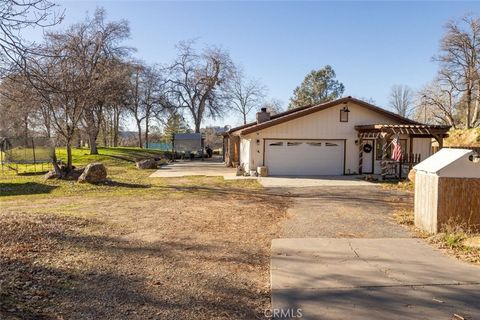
(341, 137)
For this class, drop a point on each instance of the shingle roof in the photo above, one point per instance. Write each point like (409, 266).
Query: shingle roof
(303, 111)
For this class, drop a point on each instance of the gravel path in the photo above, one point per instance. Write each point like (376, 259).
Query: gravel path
(332, 211)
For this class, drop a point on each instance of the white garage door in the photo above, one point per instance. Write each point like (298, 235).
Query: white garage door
(304, 157)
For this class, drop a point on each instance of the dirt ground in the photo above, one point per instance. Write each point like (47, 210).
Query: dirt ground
(184, 254)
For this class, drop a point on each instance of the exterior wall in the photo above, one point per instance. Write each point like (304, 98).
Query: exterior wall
(426, 201)
(422, 146)
(324, 124)
(245, 154)
(231, 153)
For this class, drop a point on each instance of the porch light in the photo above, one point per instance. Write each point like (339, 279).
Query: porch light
(344, 113)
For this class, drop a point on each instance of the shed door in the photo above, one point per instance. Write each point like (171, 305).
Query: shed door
(305, 157)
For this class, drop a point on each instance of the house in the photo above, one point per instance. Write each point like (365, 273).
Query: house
(345, 136)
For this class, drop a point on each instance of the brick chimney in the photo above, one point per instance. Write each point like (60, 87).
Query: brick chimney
(263, 115)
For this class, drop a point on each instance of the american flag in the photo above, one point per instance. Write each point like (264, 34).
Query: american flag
(397, 149)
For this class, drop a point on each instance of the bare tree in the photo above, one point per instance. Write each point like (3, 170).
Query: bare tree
(154, 97)
(68, 74)
(459, 61)
(17, 106)
(134, 104)
(16, 16)
(438, 103)
(195, 80)
(244, 94)
(401, 100)
(274, 106)
(146, 97)
(98, 44)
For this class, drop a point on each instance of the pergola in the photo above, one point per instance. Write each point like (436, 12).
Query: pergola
(385, 132)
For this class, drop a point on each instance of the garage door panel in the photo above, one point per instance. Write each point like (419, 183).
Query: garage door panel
(304, 157)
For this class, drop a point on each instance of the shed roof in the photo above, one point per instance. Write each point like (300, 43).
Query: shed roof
(188, 136)
(450, 163)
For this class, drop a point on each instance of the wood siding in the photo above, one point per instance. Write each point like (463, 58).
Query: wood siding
(459, 200)
(439, 201)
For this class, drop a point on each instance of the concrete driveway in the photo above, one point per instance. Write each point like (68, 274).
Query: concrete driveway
(216, 168)
(312, 181)
(370, 279)
(342, 256)
(208, 167)
(359, 211)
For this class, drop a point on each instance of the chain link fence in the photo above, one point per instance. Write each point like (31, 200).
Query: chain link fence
(17, 153)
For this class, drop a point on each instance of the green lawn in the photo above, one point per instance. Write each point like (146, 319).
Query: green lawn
(125, 178)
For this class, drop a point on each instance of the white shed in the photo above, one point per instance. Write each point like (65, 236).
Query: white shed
(447, 190)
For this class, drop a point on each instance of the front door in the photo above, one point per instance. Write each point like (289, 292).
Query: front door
(368, 156)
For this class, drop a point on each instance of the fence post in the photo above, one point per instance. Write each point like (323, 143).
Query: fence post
(34, 157)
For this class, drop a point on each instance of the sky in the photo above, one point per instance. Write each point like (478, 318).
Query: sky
(371, 45)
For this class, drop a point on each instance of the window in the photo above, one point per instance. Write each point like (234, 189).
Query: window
(292, 144)
(276, 144)
(329, 144)
(378, 148)
(344, 115)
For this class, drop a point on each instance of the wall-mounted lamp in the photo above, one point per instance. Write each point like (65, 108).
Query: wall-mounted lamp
(475, 158)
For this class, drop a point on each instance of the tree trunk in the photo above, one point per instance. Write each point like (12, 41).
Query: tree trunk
(116, 125)
(105, 132)
(469, 107)
(197, 125)
(140, 144)
(56, 168)
(25, 123)
(92, 136)
(146, 132)
(476, 109)
(79, 140)
(244, 118)
(69, 156)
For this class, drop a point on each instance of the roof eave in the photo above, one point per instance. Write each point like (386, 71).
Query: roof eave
(309, 110)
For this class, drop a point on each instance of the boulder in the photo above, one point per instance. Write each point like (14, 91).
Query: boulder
(51, 175)
(411, 175)
(147, 164)
(93, 173)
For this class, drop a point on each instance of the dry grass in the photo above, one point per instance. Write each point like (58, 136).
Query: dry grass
(136, 248)
(463, 138)
(404, 217)
(451, 240)
(406, 185)
(198, 256)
